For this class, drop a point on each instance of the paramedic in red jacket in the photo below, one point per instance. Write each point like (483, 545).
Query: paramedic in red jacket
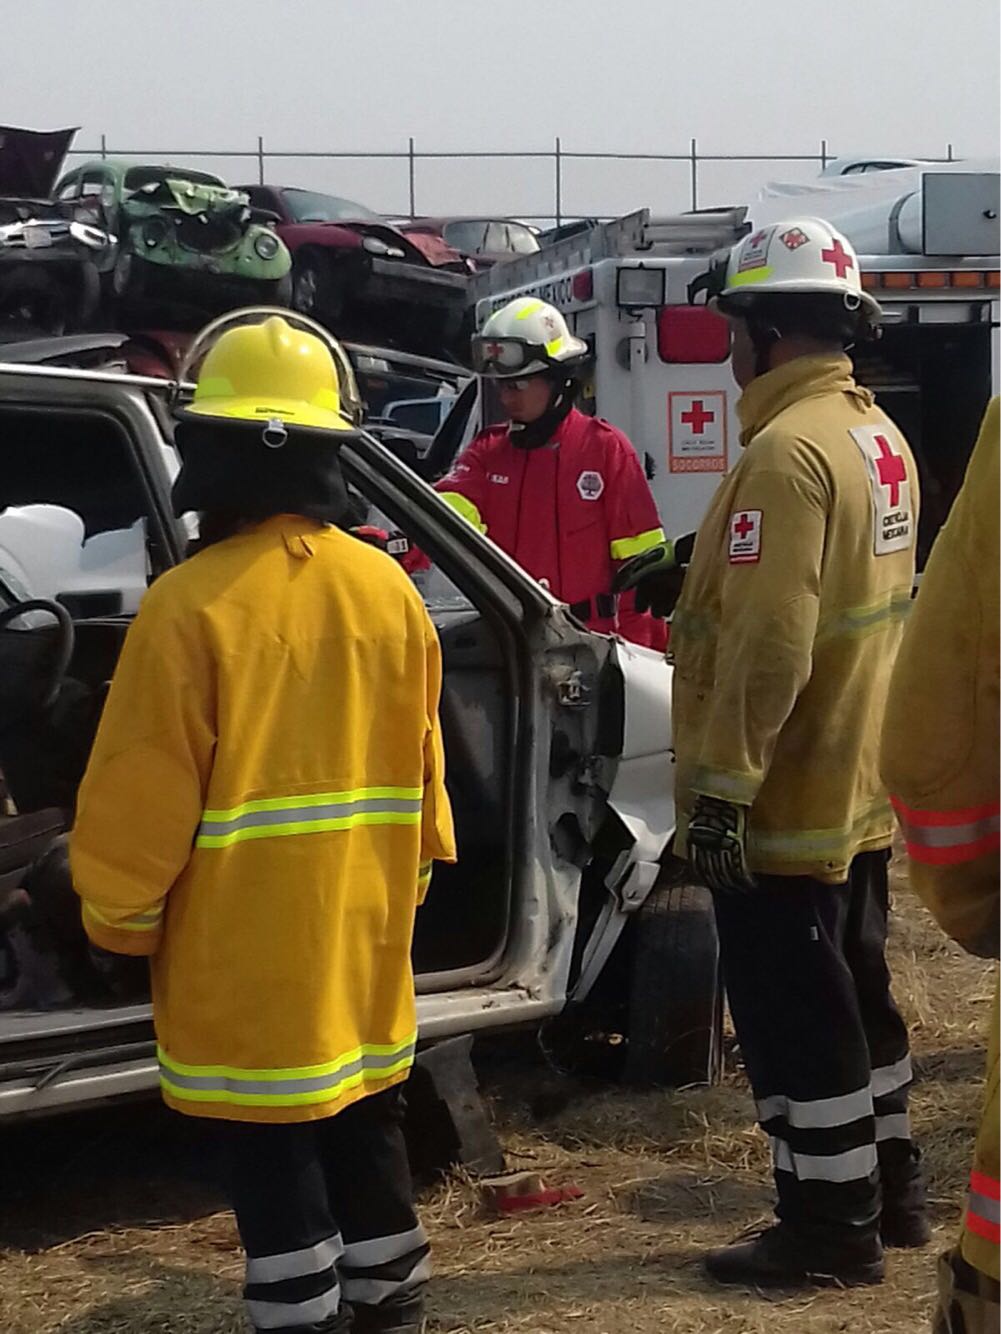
(564, 494)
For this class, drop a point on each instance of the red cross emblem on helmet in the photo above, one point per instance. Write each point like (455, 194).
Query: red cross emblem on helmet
(838, 257)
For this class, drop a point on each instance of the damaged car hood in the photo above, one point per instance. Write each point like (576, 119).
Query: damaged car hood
(30, 160)
(188, 197)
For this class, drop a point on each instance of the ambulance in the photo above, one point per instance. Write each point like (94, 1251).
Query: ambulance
(927, 239)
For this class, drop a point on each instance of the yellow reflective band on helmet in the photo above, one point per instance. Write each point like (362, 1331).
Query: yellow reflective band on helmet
(462, 505)
(750, 276)
(625, 547)
(295, 1086)
(555, 346)
(310, 813)
(532, 309)
(144, 921)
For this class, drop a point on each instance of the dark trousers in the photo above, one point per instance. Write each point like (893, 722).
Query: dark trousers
(325, 1210)
(824, 1046)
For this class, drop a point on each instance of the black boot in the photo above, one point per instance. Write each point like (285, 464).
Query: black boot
(402, 1317)
(904, 1219)
(778, 1257)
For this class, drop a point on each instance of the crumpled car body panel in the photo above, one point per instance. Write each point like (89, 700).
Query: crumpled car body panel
(201, 227)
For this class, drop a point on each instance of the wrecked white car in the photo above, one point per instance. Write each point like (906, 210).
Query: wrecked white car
(565, 901)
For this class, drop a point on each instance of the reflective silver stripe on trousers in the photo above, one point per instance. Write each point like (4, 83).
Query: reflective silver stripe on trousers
(376, 1251)
(852, 1165)
(889, 1078)
(295, 1264)
(953, 835)
(312, 1084)
(372, 1291)
(984, 1207)
(277, 1315)
(296, 814)
(818, 1113)
(897, 1126)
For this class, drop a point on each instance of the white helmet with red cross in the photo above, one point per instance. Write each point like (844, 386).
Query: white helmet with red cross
(526, 337)
(800, 255)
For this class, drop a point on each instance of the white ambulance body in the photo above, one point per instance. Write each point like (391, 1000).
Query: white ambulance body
(928, 246)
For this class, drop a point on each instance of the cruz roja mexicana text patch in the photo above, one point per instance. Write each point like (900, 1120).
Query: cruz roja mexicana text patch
(892, 513)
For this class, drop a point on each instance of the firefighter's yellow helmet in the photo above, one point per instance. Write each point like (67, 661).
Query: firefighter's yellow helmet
(271, 371)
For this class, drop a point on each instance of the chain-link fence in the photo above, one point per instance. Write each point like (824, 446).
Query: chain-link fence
(414, 181)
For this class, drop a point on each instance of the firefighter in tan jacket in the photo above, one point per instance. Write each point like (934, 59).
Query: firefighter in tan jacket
(940, 762)
(783, 642)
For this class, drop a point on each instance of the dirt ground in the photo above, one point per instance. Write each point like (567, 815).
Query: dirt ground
(109, 1223)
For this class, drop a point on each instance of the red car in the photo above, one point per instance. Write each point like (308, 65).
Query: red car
(348, 263)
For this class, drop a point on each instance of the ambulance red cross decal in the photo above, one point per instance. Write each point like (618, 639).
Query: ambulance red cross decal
(698, 416)
(745, 537)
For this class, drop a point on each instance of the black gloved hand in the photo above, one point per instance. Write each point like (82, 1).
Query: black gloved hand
(717, 843)
(657, 576)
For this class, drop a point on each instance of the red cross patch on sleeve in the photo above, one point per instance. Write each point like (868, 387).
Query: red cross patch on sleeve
(892, 512)
(745, 537)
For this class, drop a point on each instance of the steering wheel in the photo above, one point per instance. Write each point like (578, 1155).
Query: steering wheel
(56, 663)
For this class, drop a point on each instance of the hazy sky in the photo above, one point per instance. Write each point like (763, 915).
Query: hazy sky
(164, 77)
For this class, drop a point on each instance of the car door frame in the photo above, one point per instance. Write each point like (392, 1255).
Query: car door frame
(558, 669)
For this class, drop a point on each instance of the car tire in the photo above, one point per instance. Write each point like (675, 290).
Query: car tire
(314, 290)
(33, 302)
(127, 277)
(675, 1026)
(89, 295)
(277, 292)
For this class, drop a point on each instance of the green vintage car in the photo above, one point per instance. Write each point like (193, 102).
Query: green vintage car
(183, 237)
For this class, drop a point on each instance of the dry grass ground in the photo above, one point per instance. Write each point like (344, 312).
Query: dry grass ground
(108, 1226)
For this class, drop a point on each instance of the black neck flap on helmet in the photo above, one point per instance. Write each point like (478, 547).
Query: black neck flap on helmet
(258, 469)
(535, 434)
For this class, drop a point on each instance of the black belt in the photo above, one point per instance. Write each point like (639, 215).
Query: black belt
(603, 604)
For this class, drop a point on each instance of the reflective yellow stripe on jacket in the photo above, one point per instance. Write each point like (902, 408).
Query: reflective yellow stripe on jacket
(309, 813)
(368, 1064)
(464, 506)
(143, 921)
(623, 548)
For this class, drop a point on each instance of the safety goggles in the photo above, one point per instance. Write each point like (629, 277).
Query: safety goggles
(507, 355)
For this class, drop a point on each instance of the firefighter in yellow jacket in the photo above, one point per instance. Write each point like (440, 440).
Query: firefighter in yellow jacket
(940, 762)
(783, 640)
(262, 807)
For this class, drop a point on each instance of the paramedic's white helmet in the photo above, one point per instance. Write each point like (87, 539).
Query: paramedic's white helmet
(526, 337)
(800, 255)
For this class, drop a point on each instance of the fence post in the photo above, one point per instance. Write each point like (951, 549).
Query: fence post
(823, 154)
(412, 177)
(104, 147)
(695, 175)
(260, 159)
(559, 182)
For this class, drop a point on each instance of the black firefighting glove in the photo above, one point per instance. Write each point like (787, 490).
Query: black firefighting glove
(717, 843)
(657, 576)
